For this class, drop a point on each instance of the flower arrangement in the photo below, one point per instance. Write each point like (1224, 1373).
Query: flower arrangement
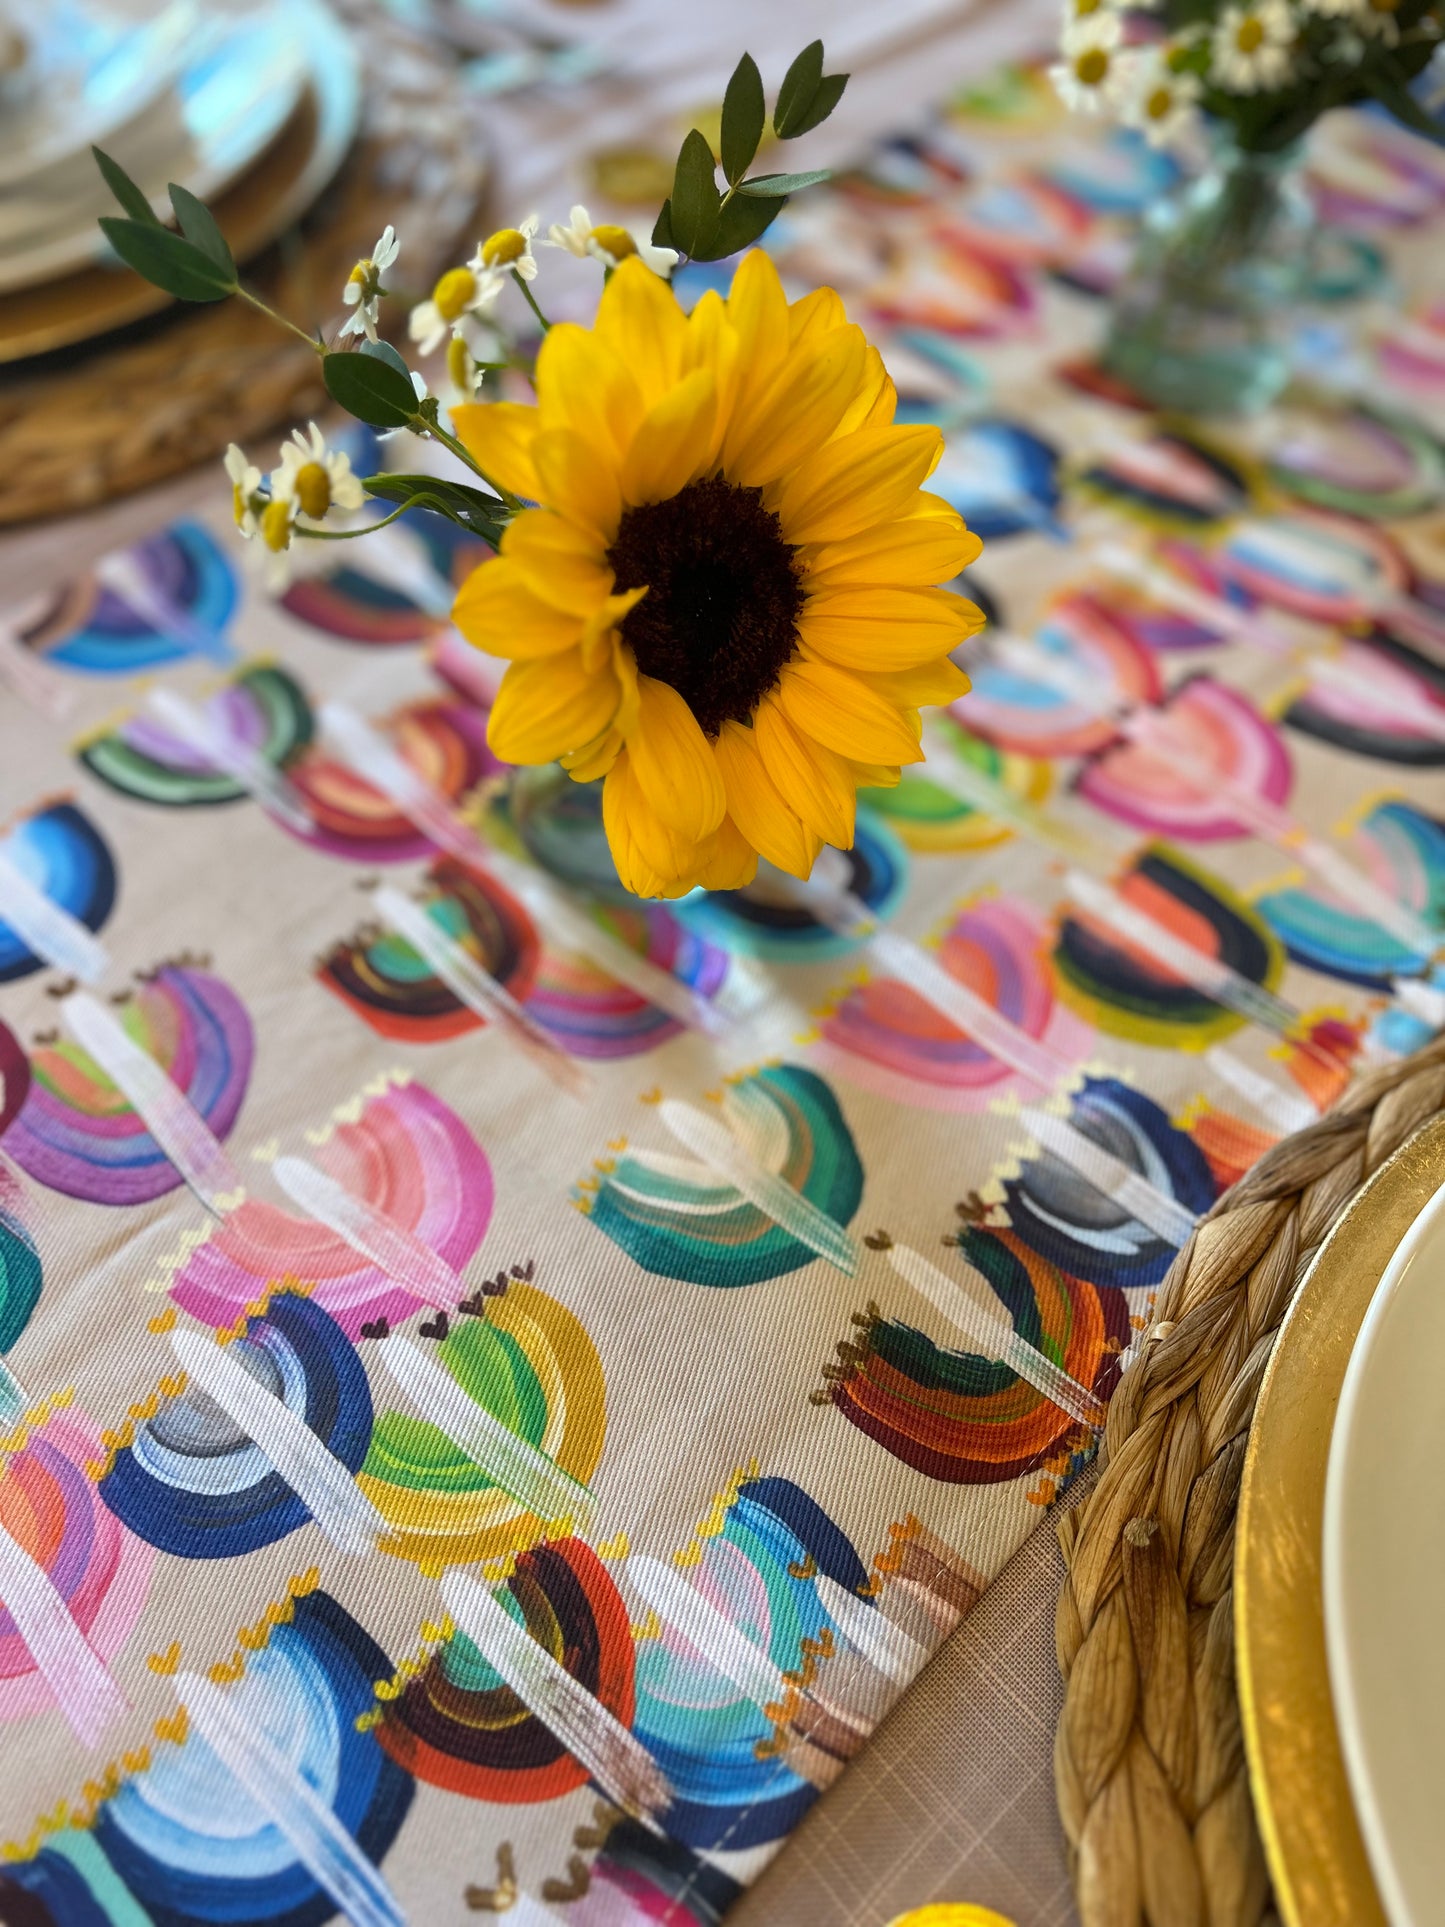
(717, 569)
(1266, 68)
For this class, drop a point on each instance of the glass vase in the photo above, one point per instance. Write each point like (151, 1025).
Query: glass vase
(1202, 321)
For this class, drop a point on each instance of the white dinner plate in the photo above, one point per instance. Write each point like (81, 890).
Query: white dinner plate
(241, 78)
(1384, 1575)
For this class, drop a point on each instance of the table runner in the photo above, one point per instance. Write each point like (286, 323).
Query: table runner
(820, 1458)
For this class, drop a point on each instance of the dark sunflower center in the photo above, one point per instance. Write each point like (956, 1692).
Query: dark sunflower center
(720, 615)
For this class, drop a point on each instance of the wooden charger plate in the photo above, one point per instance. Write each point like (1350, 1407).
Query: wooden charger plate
(1302, 1798)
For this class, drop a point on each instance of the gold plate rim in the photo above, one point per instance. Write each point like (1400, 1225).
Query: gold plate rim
(1312, 1841)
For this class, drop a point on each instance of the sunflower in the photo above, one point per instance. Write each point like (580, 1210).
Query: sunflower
(726, 604)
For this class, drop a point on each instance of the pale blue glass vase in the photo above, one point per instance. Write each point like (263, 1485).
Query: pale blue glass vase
(1202, 321)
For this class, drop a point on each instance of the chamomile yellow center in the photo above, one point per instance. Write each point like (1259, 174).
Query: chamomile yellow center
(276, 526)
(504, 247)
(451, 294)
(1091, 66)
(240, 504)
(1159, 102)
(459, 365)
(363, 272)
(1250, 33)
(615, 241)
(313, 490)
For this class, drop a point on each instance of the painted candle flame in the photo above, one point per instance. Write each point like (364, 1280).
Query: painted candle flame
(319, 1479)
(391, 1247)
(319, 1840)
(712, 1143)
(56, 937)
(526, 1474)
(618, 1762)
(974, 1309)
(172, 1120)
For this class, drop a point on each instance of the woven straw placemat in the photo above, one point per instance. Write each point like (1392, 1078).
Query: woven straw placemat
(1150, 1771)
(83, 426)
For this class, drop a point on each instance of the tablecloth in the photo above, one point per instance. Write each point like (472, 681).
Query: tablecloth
(818, 1458)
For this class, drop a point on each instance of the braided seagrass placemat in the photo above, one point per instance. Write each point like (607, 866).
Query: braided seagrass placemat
(1149, 1761)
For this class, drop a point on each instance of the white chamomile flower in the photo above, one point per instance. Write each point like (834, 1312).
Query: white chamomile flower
(247, 500)
(1087, 78)
(1251, 49)
(607, 243)
(363, 290)
(1157, 99)
(457, 300)
(1335, 9)
(509, 250)
(314, 478)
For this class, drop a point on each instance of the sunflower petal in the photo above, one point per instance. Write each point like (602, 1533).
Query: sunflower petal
(650, 859)
(931, 684)
(885, 629)
(758, 311)
(856, 481)
(815, 782)
(773, 429)
(576, 483)
(674, 440)
(595, 758)
(562, 564)
(731, 862)
(638, 317)
(499, 436)
(585, 385)
(550, 708)
(756, 805)
(840, 711)
(876, 776)
(673, 762)
(712, 343)
(498, 610)
(912, 551)
(876, 401)
(815, 314)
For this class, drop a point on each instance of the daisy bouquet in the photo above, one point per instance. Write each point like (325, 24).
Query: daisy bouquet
(716, 573)
(1265, 69)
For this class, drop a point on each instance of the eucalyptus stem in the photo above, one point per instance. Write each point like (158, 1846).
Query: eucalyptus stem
(265, 308)
(531, 301)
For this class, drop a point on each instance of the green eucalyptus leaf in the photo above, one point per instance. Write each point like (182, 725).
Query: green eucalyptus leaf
(370, 389)
(770, 186)
(198, 224)
(740, 224)
(695, 198)
(662, 227)
(470, 508)
(829, 93)
(168, 261)
(795, 96)
(744, 112)
(383, 351)
(124, 189)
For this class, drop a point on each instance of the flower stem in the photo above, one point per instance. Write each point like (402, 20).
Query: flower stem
(531, 300)
(349, 535)
(263, 307)
(425, 427)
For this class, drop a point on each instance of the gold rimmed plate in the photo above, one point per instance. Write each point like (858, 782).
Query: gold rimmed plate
(1312, 1839)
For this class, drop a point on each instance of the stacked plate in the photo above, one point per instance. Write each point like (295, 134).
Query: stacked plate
(1340, 1568)
(212, 94)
